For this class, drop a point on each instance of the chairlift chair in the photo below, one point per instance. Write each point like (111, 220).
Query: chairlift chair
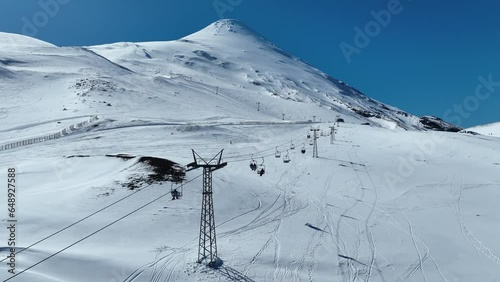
(262, 169)
(308, 135)
(311, 142)
(176, 192)
(286, 158)
(253, 164)
(277, 154)
(292, 146)
(303, 150)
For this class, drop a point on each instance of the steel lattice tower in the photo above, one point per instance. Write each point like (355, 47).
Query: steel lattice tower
(332, 134)
(315, 147)
(207, 248)
(208, 242)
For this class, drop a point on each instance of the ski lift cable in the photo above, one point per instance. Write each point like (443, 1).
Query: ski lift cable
(257, 154)
(79, 221)
(93, 233)
(243, 158)
(246, 159)
(263, 151)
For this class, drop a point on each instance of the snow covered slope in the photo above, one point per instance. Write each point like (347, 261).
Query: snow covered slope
(489, 129)
(378, 205)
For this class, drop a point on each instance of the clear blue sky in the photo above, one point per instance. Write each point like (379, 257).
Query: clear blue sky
(425, 60)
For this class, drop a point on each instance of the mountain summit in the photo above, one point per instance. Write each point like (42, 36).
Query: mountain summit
(226, 26)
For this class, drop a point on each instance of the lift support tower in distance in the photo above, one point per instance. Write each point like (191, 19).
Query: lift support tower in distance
(315, 146)
(332, 134)
(208, 244)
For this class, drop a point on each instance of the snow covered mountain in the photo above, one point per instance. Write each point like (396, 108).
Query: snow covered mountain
(225, 66)
(98, 135)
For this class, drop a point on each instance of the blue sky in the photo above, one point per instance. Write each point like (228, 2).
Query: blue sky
(431, 57)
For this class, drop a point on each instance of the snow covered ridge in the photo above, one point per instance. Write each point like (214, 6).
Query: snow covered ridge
(10, 40)
(226, 65)
(488, 129)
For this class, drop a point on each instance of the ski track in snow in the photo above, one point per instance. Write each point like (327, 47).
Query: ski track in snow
(350, 212)
(167, 262)
(289, 207)
(416, 266)
(369, 234)
(476, 243)
(322, 220)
